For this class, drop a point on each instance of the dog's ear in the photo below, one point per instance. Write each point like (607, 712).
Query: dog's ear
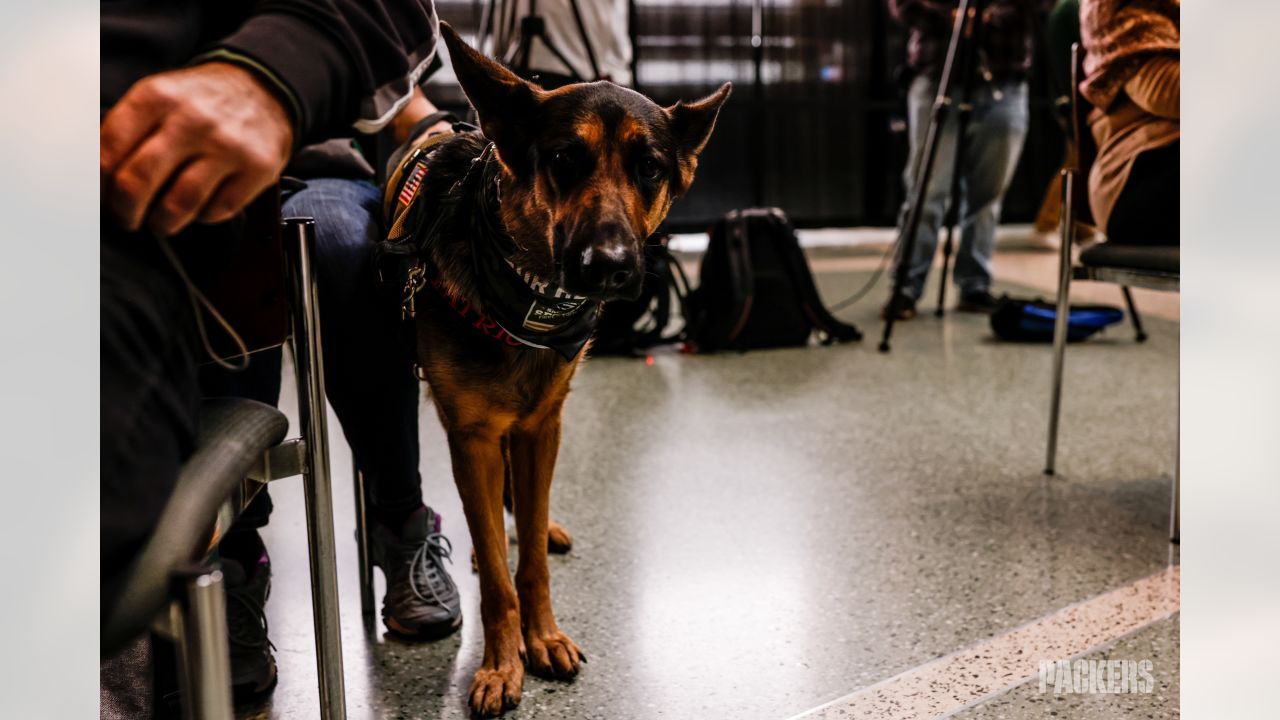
(503, 101)
(691, 124)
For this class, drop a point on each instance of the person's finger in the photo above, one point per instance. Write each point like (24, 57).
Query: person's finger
(128, 123)
(234, 195)
(182, 201)
(134, 185)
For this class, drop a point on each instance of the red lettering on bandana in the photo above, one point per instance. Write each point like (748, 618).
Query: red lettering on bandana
(477, 319)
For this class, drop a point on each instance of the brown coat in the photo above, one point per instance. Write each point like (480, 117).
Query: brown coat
(1132, 81)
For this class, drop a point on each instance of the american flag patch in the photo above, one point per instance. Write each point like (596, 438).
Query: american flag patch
(411, 185)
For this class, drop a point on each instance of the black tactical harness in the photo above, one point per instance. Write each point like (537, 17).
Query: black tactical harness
(515, 304)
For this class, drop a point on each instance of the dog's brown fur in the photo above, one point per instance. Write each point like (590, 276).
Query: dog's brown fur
(501, 406)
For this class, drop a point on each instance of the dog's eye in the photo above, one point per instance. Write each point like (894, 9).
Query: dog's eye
(650, 170)
(563, 161)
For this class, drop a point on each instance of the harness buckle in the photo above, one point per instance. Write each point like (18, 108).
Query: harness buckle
(416, 280)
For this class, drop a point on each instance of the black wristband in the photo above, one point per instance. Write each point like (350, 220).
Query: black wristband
(426, 122)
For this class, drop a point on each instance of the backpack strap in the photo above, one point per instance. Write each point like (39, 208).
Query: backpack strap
(742, 279)
(798, 268)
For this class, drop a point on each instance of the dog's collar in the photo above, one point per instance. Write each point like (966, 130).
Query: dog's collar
(529, 309)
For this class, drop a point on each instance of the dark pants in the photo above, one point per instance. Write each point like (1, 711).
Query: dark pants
(1146, 213)
(149, 396)
(368, 352)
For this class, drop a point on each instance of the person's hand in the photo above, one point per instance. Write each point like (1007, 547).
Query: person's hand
(196, 144)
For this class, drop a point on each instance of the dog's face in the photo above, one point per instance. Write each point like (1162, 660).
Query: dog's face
(595, 166)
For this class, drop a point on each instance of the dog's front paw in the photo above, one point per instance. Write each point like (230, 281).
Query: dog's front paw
(494, 690)
(553, 655)
(559, 541)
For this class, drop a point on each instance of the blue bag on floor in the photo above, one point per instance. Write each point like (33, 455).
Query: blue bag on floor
(1032, 320)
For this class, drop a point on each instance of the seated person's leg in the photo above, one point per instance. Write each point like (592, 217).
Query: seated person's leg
(1146, 213)
(369, 378)
(149, 400)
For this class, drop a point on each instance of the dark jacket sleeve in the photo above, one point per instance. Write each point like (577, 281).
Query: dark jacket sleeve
(922, 14)
(339, 64)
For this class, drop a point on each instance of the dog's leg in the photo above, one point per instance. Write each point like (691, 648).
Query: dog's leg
(559, 541)
(478, 469)
(534, 446)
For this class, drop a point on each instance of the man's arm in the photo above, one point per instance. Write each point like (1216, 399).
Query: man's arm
(341, 64)
(1156, 87)
(418, 108)
(199, 143)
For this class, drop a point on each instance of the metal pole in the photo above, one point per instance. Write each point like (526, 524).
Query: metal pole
(1063, 307)
(1060, 315)
(183, 651)
(757, 119)
(207, 655)
(362, 543)
(1175, 512)
(1139, 334)
(929, 153)
(316, 480)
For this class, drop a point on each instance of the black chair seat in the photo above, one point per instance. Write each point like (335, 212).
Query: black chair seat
(1153, 258)
(234, 435)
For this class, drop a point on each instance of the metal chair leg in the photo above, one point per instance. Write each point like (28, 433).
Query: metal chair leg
(300, 241)
(362, 544)
(1139, 334)
(203, 655)
(1175, 513)
(1060, 317)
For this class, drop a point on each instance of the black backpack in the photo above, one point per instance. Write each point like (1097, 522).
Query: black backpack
(756, 290)
(628, 327)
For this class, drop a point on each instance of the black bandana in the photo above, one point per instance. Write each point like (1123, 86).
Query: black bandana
(534, 311)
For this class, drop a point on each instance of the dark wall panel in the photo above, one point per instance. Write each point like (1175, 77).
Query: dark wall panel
(821, 135)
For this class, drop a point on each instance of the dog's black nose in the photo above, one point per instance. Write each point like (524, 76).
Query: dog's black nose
(608, 265)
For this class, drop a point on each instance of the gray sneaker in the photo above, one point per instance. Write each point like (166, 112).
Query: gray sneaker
(253, 667)
(421, 601)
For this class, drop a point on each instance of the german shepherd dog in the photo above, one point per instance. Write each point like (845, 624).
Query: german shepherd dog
(573, 181)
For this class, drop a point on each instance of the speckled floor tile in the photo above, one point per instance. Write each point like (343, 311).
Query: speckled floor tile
(1158, 643)
(758, 534)
(992, 667)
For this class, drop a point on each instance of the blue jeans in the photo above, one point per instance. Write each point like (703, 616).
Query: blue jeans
(368, 352)
(995, 134)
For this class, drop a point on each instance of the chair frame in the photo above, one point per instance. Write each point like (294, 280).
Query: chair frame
(1067, 271)
(196, 617)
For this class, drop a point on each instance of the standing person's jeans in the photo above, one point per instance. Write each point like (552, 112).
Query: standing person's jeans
(995, 134)
(368, 352)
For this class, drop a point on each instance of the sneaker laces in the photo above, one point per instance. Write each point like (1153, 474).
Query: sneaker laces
(426, 559)
(254, 635)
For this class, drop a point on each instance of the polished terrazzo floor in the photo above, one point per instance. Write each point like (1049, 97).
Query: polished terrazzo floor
(758, 534)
